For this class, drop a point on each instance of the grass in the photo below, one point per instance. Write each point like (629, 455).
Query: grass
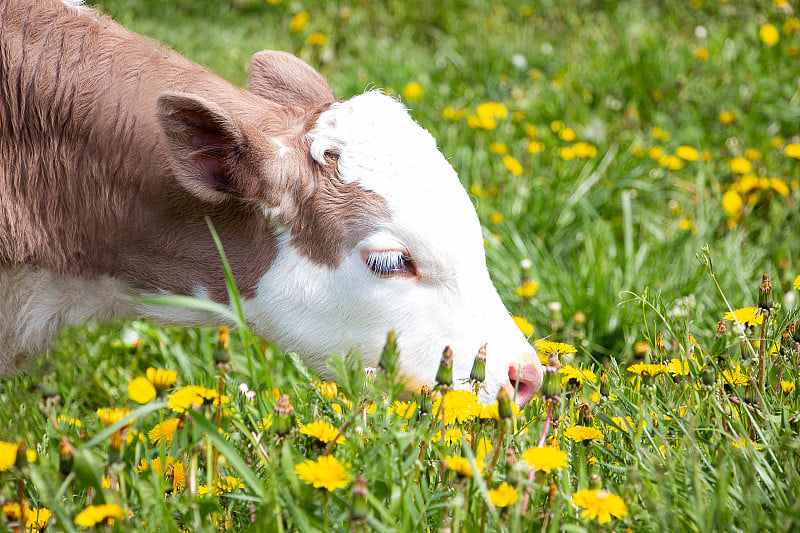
(616, 240)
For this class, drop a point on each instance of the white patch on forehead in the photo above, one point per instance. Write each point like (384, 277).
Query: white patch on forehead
(384, 150)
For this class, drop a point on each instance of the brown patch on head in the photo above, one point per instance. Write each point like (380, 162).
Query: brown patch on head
(335, 217)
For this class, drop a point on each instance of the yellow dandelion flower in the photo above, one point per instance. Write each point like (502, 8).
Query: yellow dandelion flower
(567, 153)
(673, 162)
(735, 377)
(451, 113)
(740, 165)
(678, 368)
(504, 495)
(412, 91)
(528, 290)
(583, 149)
(37, 519)
(165, 430)
(328, 389)
(792, 150)
(496, 218)
(461, 465)
(546, 458)
(685, 224)
(727, 117)
(512, 165)
(299, 21)
(450, 436)
(701, 54)
(140, 390)
(779, 186)
(791, 25)
(656, 153)
(583, 433)
(265, 423)
(769, 34)
(556, 126)
(660, 134)
(599, 504)
(796, 283)
(567, 134)
(322, 431)
(327, 472)
(787, 386)
(732, 203)
(570, 372)
(8, 455)
(492, 411)
(498, 148)
(753, 155)
(687, 153)
(524, 326)
(185, 397)
(459, 406)
(403, 409)
(227, 485)
(647, 370)
(111, 416)
(748, 316)
(535, 147)
(69, 421)
(626, 424)
(161, 378)
(316, 39)
(93, 515)
(488, 113)
(743, 444)
(545, 347)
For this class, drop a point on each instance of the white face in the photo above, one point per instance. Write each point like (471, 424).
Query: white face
(422, 274)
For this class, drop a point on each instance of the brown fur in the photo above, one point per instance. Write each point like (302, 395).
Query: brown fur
(113, 150)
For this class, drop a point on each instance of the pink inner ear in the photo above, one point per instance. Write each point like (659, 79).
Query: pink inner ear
(214, 173)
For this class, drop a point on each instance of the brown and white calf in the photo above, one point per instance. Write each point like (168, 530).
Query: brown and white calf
(341, 219)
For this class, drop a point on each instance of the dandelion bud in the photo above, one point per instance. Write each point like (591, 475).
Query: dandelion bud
(478, 372)
(660, 346)
(425, 401)
(584, 415)
(222, 356)
(640, 350)
(504, 404)
(444, 377)
(66, 457)
(708, 376)
(360, 507)
(750, 395)
(720, 329)
(389, 353)
(22, 454)
(595, 482)
(765, 293)
(284, 416)
(605, 387)
(552, 491)
(551, 384)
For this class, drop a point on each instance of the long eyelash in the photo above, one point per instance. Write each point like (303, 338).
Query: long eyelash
(385, 263)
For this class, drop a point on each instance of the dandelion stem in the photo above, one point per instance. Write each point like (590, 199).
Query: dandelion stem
(532, 472)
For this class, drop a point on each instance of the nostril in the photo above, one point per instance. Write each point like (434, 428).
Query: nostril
(525, 380)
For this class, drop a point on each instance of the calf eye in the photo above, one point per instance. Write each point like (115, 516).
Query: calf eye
(388, 263)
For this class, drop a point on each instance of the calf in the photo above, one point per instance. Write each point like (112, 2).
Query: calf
(341, 219)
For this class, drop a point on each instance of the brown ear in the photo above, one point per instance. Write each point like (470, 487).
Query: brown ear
(208, 147)
(286, 79)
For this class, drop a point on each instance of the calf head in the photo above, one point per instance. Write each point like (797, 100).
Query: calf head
(374, 231)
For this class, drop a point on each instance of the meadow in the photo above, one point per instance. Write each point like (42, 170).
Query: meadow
(635, 168)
